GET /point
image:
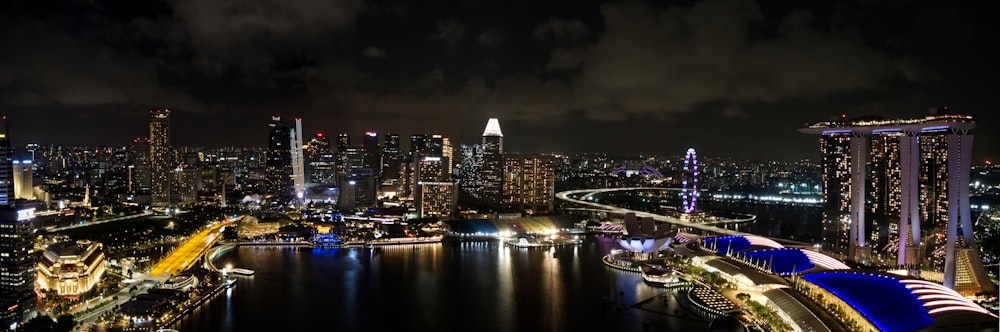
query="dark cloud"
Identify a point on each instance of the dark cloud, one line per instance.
(490, 37)
(374, 52)
(449, 32)
(569, 69)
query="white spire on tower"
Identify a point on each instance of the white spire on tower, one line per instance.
(493, 128)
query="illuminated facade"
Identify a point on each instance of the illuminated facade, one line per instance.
(322, 164)
(71, 268)
(23, 183)
(918, 174)
(470, 170)
(529, 182)
(493, 163)
(372, 154)
(139, 176)
(17, 267)
(160, 159)
(279, 159)
(435, 199)
(391, 158)
(298, 160)
(342, 143)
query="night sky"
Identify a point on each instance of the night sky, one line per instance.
(730, 78)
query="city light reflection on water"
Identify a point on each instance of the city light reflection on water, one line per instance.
(482, 286)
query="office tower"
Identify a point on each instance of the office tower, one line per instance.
(17, 268)
(322, 163)
(279, 159)
(298, 167)
(492, 162)
(448, 152)
(373, 155)
(160, 158)
(470, 170)
(418, 144)
(439, 146)
(23, 184)
(187, 182)
(343, 142)
(435, 145)
(139, 161)
(390, 159)
(433, 194)
(929, 159)
(529, 183)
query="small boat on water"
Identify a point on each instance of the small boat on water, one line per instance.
(242, 272)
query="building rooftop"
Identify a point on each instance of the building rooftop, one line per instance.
(884, 300)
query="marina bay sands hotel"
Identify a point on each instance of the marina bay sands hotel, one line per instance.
(894, 190)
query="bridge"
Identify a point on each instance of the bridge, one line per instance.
(587, 194)
(185, 256)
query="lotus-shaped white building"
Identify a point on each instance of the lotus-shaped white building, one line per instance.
(643, 235)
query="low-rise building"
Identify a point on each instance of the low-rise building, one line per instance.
(71, 268)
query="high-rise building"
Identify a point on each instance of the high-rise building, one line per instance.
(322, 164)
(433, 194)
(139, 176)
(418, 144)
(529, 183)
(343, 142)
(915, 173)
(493, 163)
(470, 170)
(161, 159)
(279, 159)
(23, 183)
(372, 153)
(298, 162)
(390, 159)
(17, 266)
(440, 146)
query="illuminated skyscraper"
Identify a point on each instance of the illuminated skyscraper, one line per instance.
(343, 142)
(433, 194)
(23, 183)
(470, 170)
(279, 159)
(298, 162)
(529, 183)
(372, 153)
(17, 266)
(160, 159)
(390, 159)
(418, 144)
(493, 163)
(322, 164)
(914, 169)
(139, 176)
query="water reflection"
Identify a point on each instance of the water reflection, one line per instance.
(481, 286)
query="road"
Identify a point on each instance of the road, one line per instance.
(190, 251)
(56, 229)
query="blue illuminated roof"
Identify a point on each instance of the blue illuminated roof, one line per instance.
(884, 300)
(723, 244)
(782, 260)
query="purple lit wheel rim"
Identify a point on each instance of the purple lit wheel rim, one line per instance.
(690, 176)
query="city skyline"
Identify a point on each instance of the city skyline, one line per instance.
(618, 77)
